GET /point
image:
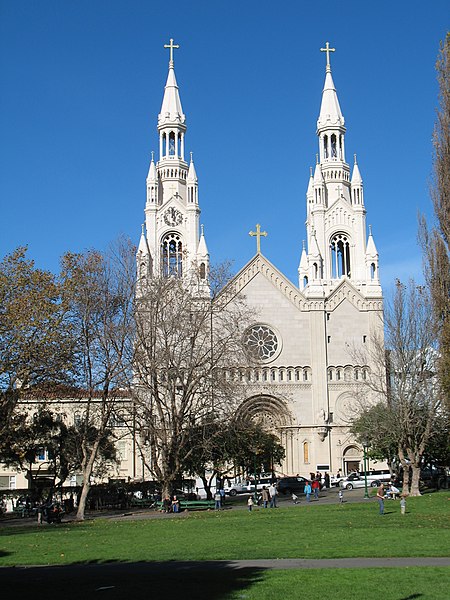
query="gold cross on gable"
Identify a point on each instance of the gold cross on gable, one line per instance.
(171, 46)
(258, 233)
(327, 49)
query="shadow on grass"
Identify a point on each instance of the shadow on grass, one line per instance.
(201, 580)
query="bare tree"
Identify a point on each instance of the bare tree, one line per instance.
(99, 289)
(404, 377)
(186, 346)
(436, 240)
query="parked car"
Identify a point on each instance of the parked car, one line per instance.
(356, 480)
(289, 485)
(247, 486)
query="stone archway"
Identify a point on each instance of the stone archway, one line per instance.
(352, 459)
(268, 411)
(274, 416)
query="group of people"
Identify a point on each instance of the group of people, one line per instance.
(170, 505)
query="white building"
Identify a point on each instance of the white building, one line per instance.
(307, 337)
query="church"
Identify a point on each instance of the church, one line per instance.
(305, 384)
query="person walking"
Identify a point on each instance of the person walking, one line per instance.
(250, 503)
(273, 496)
(380, 498)
(218, 500)
(315, 488)
(265, 497)
(308, 490)
(326, 480)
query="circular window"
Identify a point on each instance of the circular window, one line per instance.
(262, 342)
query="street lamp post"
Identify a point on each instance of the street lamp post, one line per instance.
(365, 444)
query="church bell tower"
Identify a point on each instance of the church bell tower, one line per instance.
(171, 244)
(337, 243)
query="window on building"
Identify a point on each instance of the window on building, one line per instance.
(172, 255)
(340, 255)
(306, 452)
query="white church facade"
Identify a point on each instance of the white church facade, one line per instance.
(305, 337)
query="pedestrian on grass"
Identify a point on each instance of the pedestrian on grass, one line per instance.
(250, 503)
(308, 491)
(273, 496)
(217, 500)
(265, 497)
(403, 505)
(380, 498)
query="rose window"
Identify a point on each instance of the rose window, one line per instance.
(262, 342)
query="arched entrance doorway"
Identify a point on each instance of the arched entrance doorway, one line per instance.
(274, 416)
(352, 459)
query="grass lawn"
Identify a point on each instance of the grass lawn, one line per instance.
(427, 583)
(314, 531)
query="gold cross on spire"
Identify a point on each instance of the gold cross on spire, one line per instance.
(171, 46)
(258, 233)
(327, 49)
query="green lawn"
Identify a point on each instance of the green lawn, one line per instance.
(315, 531)
(407, 583)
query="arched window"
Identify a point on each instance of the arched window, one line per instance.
(373, 270)
(172, 255)
(172, 146)
(305, 452)
(325, 146)
(305, 281)
(333, 146)
(202, 271)
(340, 255)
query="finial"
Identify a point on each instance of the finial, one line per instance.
(327, 49)
(354, 156)
(171, 46)
(153, 155)
(310, 171)
(202, 226)
(303, 245)
(191, 153)
(370, 229)
(317, 159)
(143, 228)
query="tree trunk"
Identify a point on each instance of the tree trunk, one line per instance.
(87, 472)
(415, 478)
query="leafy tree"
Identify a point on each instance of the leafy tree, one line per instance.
(183, 342)
(436, 241)
(99, 291)
(35, 340)
(220, 447)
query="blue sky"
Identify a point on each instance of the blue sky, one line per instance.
(81, 85)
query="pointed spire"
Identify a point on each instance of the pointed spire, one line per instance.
(318, 177)
(202, 249)
(143, 247)
(303, 259)
(356, 175)
(192, 175)
(171, 110)
(371, 249)
(152, 170)
(330, 111)
(309, 191)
